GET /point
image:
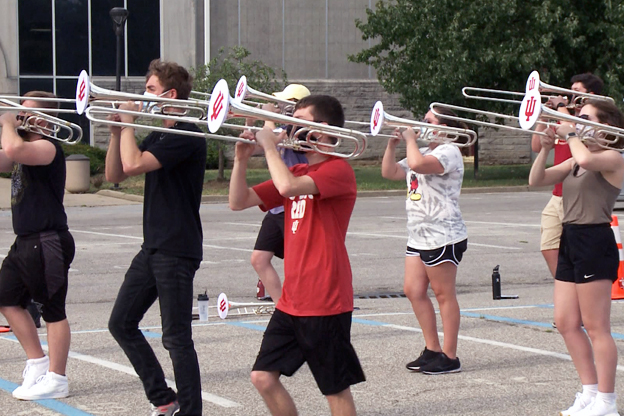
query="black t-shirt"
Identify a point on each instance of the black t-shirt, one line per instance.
(171, 222)
(37, 196)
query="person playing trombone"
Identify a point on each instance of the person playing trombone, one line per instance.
(552, 214)
(174, 166)
(38, 262)
(312, 319)
(437, 236)
(270, 240)
(588, 256)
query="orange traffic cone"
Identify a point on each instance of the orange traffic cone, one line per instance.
(617, 290)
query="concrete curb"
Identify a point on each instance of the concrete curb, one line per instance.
(218, 199)
(120, 195)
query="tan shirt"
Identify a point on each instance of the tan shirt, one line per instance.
(588, 198)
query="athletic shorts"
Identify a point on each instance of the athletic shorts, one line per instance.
(324, 342)
(36, 268)
(271, 235)
(551, 227)
(587, 253)
(451, 253)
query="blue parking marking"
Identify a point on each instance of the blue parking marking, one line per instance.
(51, 404)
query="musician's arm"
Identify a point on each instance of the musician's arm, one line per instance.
(113, 169)
(390, 169)
(32, 153)
(6, 164)
(285, 182)
(133, 160)
(416, 161)
(241, 196)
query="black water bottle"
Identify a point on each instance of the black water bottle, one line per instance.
(496, 284)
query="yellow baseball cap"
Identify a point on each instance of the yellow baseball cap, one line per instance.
(293, 92)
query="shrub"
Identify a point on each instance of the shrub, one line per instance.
(97, 156)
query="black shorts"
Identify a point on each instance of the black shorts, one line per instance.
(587, 253)
(36, 268)
(324, 342)
(451, 253)
(271, 235)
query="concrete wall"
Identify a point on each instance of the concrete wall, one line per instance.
(8, 48)
(307, 39)
(181, 32)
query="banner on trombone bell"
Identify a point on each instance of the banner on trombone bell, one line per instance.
(531, 106)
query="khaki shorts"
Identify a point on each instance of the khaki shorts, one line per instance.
(551, 227)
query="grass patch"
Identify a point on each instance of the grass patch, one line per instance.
(368, 178)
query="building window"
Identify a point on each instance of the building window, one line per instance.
(59, 38)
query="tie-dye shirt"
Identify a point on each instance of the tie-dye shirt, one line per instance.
(433, 216)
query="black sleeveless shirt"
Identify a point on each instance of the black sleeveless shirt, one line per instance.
(37, 196)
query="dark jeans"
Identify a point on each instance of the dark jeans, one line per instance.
(153, 275)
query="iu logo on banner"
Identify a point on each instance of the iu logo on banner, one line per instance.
(83, 91)
(241, 89)
(223, 306)
(377, 118)
(533, 82)
(218, 106)
(530, 109)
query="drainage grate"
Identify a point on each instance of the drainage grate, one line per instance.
(381, 296)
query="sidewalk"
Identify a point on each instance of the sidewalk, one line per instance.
(74, 200)
(106, 197)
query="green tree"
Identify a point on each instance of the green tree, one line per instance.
(427, 51)
(231, 65)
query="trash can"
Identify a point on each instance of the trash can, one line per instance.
(78, 178)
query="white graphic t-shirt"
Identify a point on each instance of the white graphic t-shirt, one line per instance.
(433, 216)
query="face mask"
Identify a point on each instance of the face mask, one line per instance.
(150, 106)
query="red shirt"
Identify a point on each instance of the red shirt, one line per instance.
(318, 280)
(562, 153)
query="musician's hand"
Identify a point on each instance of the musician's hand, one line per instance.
(564, 129)
(129, 106)
(270, 107)
(410, 134)
(243, 151)
(396, 138)
(553, 102)
(115, 130)
(9, 118)
(548, 141)
(266, 138)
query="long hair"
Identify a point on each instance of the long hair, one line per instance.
(607, 113)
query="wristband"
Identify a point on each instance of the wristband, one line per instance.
(560, 105)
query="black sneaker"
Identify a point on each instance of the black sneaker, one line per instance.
(442, 364)
(425, 357)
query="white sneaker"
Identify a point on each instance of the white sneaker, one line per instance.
(580, 403)
(599, 408)
(34, 369)
(48, 386)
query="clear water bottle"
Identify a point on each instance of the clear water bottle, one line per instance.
(202, 305)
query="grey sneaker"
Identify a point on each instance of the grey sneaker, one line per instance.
(166, 409)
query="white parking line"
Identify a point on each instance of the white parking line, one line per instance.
(207, 397)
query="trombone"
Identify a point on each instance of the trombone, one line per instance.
(435, 106)
(87, 93)
(494, 95)
(602, 135)
(225, 307)
(95, 114)
(223, 106)
(34, 120)
(244, 92)
(429, 133)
